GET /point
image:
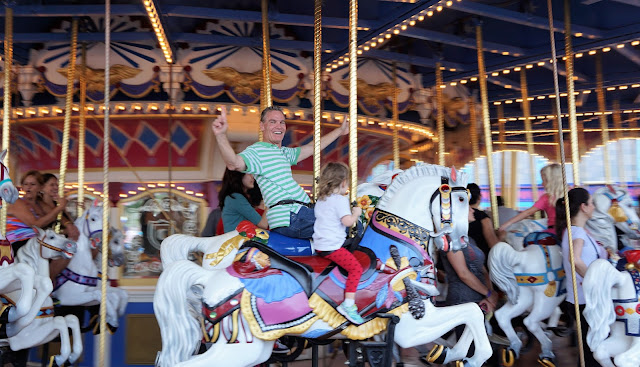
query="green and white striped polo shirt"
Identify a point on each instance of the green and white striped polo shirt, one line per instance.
(271, 167)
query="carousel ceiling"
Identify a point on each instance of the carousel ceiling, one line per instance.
(414, 35)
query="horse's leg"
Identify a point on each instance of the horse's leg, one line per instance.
(232, 355)
(43, 288)
(26, 275)
(60, 324)
(506, 313)
(555, 316)
(76, 349)
(543, 307)
(616, 346)
(439, 320)
(630, 357)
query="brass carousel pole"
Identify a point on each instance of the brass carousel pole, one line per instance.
(81, 129)
(396, 119)
(564, 172)
(526, 109)
(571, 98)
(503, 155)
(617, 124)
(604, 125)
(6, 112)
(105, 184)
(266, 62)
(71, 77)
(440, 115)
(556, 118)
(475, 146)
(482, 80)
(317, 92)
(353, 97)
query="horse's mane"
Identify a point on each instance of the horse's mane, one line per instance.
(417, 171)
(30, 253)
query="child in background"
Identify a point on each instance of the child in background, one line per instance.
(333, 215)
(553, 187)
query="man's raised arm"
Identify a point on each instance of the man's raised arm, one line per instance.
(307, 150)
(220, 126)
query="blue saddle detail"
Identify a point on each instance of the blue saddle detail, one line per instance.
(273, 288)
(289, 246)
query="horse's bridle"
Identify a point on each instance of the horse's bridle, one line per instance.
(90, 234)
(4, 179)
(50, 247)
(446, 210)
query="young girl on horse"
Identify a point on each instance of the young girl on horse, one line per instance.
(552, 183)
(333, 213)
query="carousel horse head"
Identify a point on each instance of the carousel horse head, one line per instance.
(116, 247)
(46, 245)
(433, 202)
(7, 190)
(613, 209)
(90, 224)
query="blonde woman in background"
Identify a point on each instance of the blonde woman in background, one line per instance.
(553, 187)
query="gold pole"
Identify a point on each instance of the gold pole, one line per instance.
(440, 116)
(564, 171)
(571, 99)
(106, 139)
(81, 129)
(266, 61)
(6, 112)
(473, 122)
(353, 96)
(317, 92)
(617, 124)
(515, 189)
(604, 125)
(504, 189)
(556, 119)
(526, 109)
(396, 141)
(71, 77)
(482, 79)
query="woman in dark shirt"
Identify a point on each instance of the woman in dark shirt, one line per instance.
(480, 226)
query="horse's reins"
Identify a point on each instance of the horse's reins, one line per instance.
(46, 245)
(90, 233)
(2, 175)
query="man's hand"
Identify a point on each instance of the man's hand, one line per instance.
(220, 125)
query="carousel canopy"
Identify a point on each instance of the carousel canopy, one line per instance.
(216, 47)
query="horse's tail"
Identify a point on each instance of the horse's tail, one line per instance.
(178, 246)
(502, 260)
(598, 283)
(179, 329)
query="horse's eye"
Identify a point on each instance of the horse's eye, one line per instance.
(461, 199)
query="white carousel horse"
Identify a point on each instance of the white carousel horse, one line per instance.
(614, 209)
(79, 284)
(519, 230)
(13, 276)
(116, 249)
(36, 254)
(534, 281)
(190, 299)
(612, 312)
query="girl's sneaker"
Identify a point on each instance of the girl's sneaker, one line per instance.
(351, 313)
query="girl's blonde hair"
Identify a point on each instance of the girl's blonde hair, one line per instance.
(332, 175)
(553, 177)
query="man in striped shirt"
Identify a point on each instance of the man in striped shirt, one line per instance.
(288, 210)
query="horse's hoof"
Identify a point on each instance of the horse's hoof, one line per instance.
(112, 329)
(463, 363)
(561, 331)
(4, 316)
(508, 357)
(547, 362)
(437, 354)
